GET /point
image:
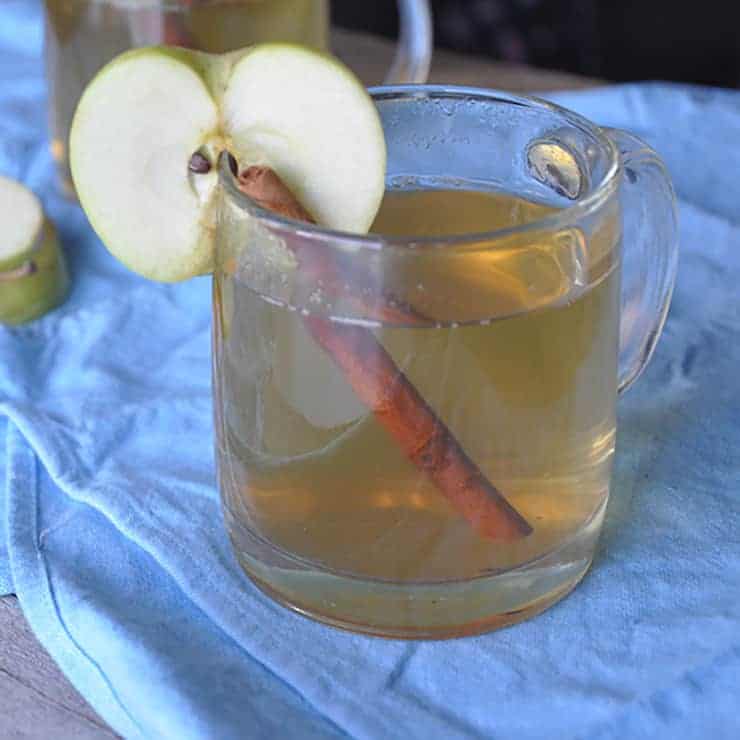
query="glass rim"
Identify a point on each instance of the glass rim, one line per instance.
(560, 219)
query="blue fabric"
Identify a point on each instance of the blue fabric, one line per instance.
(6, 583)
(112, 539)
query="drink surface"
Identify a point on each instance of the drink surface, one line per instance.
(518, 359)
(83, 35)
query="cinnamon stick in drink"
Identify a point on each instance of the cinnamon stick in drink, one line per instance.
(263, 185)
(385, 389)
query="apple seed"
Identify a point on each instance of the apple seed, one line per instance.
(233, 166)
(199, 164)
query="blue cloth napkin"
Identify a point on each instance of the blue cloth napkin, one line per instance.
(110, 532)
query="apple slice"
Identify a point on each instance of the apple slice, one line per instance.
(148, 112)
(22, 219)
(33, 275)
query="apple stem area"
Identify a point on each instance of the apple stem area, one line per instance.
(200, 164)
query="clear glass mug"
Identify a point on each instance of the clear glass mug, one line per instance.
(415, 435)
(83, 35)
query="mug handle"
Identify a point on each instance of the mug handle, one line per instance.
(649, 252)
(414, 50)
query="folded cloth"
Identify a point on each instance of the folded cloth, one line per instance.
(6, 584)
(113, 539)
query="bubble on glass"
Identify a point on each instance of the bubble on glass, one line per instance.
(445, 106)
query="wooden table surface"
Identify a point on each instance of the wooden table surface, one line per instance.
(36, 700)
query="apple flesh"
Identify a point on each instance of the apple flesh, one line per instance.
(149, 129)
(33, 274)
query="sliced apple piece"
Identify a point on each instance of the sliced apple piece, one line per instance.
(310, 120)
(149, 128)
(33, 275)
(22, 219)
(136, 127)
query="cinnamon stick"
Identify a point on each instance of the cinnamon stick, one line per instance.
(385, 389)
(264, 186)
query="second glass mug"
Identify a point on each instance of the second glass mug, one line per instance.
(415, 434)
(83, 35)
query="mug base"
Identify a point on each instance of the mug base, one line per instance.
(415, 610)
(437, 631)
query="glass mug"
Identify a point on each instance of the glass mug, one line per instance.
(415, 428)
(83, 35)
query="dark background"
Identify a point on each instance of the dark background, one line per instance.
(683, 40)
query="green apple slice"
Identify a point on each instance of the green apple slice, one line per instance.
(22, 221)
(145, 115)
(33, 275)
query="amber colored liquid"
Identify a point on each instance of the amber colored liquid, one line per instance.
(83, 35)
(518, 364)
